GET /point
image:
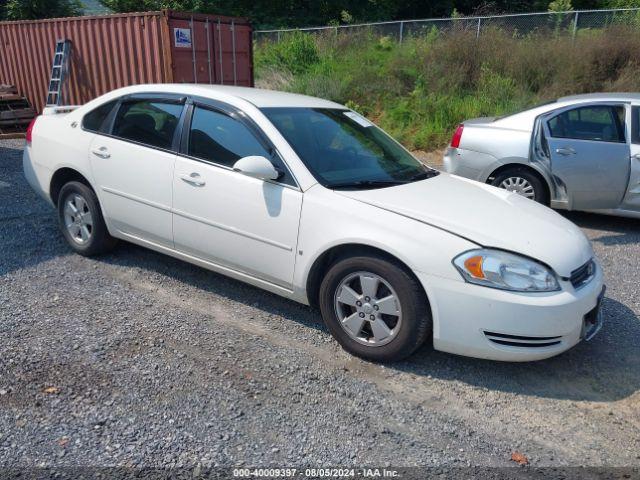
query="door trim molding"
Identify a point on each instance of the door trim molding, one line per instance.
(135, 198)
(195, 218)
(232, 230)
(229, 272)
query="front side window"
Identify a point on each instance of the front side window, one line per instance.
(94, 121)
(344, 150)
(148, 122)
(635, 125)
(602, 123)
(219, 138)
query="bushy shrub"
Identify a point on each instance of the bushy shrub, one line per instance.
(295, 52)
(421, 89)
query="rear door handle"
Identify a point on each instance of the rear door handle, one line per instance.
(101, 152)
(636, 156)
(566, 151)
(193, 179)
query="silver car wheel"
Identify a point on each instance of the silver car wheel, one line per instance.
(368, 309)
(519, 185)
(77, 219)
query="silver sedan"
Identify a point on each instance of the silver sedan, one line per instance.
(577, 153)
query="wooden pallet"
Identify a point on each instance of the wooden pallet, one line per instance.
(8, 90)
(15, 111)
(17, 114)
(10, 97)
(11, 136)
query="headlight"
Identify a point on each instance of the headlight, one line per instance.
(506, 271)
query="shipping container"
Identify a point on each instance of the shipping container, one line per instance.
(112, 51)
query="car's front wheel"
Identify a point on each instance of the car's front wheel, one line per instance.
(81, 220)
(522, 182)
(374, 308)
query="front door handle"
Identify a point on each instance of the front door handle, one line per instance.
(193, 179)
(101, 152)
(636, 156)
(566, 151)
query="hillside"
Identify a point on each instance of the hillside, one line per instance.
(421, 89)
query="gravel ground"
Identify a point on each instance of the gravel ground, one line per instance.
(136, 359)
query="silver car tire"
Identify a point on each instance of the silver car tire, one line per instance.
(522, 182)
(81, 220)
(375, 308)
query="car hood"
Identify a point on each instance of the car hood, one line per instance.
(488, 216)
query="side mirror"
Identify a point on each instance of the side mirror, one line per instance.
(257, 167)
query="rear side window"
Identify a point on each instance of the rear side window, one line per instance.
(94, 121)
(635, 125)
(148, 122)
(601, 123)
(219, 138)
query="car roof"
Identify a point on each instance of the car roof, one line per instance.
(260, 98)
(606, 96)
(524, 120)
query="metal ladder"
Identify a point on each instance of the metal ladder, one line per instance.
(58, 72)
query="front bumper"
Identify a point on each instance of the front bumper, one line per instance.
(483, 322)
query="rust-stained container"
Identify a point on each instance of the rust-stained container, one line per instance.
(113, 51)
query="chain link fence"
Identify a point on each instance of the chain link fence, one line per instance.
(569, 23)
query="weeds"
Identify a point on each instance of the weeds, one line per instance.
(421, 89)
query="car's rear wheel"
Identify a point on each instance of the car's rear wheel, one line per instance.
(374, 308)
(81, 220)
(522, 182)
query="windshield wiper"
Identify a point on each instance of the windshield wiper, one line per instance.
(424, 175)
(365, 184)
(384, 183)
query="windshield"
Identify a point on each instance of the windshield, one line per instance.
(344, 150)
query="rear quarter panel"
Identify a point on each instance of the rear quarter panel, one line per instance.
(486, 147)
(505, 145)
(57, 143)
(469, 163)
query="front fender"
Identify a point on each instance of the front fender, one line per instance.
(329, 220)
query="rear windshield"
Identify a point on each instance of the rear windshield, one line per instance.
(543, 104)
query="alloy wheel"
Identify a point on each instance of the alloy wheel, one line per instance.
(78, 219)
(368, 308)
(519, 185)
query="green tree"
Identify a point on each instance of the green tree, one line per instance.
(560, 6)
(147, 5)
(34, 9)
(623, 3)
(295, 13)
(302, 13)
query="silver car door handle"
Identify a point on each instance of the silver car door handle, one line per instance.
(193, 179)
(566, 151)
(636, 156)
(101, 152)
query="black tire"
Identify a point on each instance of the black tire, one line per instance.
(540, 193)
(416, 324)
(99, 240)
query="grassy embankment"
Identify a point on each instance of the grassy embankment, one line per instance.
(421, 89)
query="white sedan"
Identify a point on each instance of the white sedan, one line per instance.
(305, 198)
